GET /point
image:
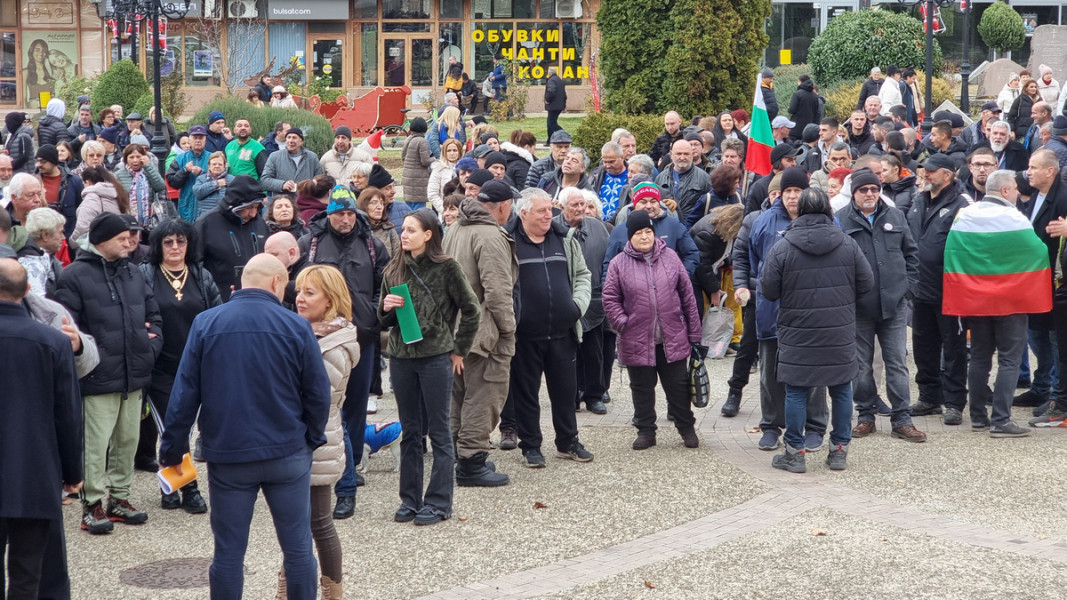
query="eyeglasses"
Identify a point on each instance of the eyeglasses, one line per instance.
(869, 189)
(983, 166)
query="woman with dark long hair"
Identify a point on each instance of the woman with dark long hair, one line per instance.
(726, 127)
(421, 371)
(183, 288)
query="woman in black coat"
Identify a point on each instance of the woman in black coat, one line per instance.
(803, 106)
(183, 289)
(1019, 113)
(726, 127)
(816, 273)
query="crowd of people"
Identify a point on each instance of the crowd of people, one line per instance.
(168, 286)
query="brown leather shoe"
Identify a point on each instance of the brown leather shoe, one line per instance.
(908, 433)
(863, 429)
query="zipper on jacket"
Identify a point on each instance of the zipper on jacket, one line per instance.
(548, 277)
(233, 240)
(655, 303)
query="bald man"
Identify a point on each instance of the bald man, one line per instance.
(282, 245)
(261, 415)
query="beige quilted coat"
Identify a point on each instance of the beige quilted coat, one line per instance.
(340, 352)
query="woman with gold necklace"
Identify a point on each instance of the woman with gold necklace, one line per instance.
(183, 289)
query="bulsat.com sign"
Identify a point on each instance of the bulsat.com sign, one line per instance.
(318, 10)
(533, 45)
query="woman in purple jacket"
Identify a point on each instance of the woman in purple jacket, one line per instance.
(649, 300)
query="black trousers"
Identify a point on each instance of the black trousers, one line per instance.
(25, 539)
(55, 578)
(610, 338)
(674, 377)
(749, 352)
(940, 348)
(159, 393)
(555, 359)
(553, 122)
(590, 366)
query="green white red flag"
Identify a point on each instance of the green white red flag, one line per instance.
(995, 264)
(760, 140)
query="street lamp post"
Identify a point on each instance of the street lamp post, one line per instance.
(965, 64)
(148, 10)
(930, 6)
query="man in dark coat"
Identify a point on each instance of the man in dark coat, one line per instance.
(871, 87)
(341, 236)
(684, 181)
(555, 100)
(661, 147)
(233, 233)
(942, 384)
(1010, 155)
(803, 107)
(40, 436)
(767, 87)
(816, 274)
(111, 301)
(882, 234)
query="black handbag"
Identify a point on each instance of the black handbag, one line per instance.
(699, 384)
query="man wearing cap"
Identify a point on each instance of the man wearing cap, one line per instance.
(558, 147)
(111, 301)
(803, 106)
(286, 168)
(381, 178)
(475, 181)
(890, 93)
(768, 229)
(62, 189)
(783, 156)
(133, 123)
(341, 235)
(882, 234)
(478, 242)
(340, 161)
(109, 137)
(218, 134)
(244, 155)
(781, 128)
(497, 164)
(942, 381)
(570, 174)
(83, 129)
(973, 134)
(809, 155)
(232, 233)
(770, 100)
(184, 170)
(672, 132)
(683, 182)
(871, 87)
(554, 288)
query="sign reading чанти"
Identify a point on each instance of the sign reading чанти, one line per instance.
(535, 38)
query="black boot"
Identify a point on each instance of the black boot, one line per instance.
(473, 472)
(192, 502)
(732, 404)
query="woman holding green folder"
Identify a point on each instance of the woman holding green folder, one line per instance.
(422, 294)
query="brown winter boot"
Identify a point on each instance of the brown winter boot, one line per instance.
(283, 593)
(331, 590)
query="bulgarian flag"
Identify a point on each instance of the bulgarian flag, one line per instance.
(995, 264)
(760, 140)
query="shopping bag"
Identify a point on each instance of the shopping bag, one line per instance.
(699, 385)
(717, 329)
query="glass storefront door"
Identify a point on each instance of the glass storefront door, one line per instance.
(409, 60)
(327, 59)
(8, 70)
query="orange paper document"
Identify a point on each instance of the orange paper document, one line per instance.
(169, 479)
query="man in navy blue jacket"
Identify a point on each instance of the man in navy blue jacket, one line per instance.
(254, 371)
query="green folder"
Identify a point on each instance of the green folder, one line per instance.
(410, 331)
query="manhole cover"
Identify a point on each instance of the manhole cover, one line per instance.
(177, 573)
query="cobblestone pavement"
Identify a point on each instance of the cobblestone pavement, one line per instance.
(961, 516)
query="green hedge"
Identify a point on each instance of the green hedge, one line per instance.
(1002, 27)
(318, 135)
(145, 103)
(785, 83)
(595, 131)
(856, 41)
(121, 84)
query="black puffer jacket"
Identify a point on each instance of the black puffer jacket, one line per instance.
(110, 301)
(51, 130)
(817, 273)
(714, 255)
(361, 259)
(892, 254)
(227, 244)
(902, 192)
(930, 221)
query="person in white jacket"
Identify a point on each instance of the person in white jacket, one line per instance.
(1009, 92)
(1048, 87)
(442, 171)
(890, 93)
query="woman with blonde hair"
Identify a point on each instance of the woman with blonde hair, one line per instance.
(322, 297)
(442, 171)
(448, 126)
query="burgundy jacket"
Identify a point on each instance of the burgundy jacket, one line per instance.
(640, 293)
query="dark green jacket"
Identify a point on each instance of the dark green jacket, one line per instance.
(442, 294)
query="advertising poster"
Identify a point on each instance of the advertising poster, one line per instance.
(202, 63)
(49, 59)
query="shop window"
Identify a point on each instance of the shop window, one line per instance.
(575, 52)
(791, 27)
(503, 9)
(536, 49)
(484, 49)
(368, 49)
(366, 9)
(451, 9)
(287, 43)
(450, 44)
(201, 59)
(405, 9)
(8, 73)
(245, 49)
(172, 50)
(407, 27)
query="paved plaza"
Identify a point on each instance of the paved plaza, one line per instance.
(961, 516)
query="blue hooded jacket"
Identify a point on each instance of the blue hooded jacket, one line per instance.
(766, 231)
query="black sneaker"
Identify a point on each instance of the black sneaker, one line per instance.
(606, 399)
(533, 459)
(836, 458)
(170, 501)
(792, 460)
(431, 516)
(922, 408)
(576, 452)
(1008, 430)
(1022, 384)
(94, 519)
(953, 416)
(123, 512)
(769, 440)
(404, 514)
(1029, 398)
(732, 404)
(193, 503)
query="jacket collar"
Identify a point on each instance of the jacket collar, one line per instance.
(993, 198)
(11, 309)
(253, 294)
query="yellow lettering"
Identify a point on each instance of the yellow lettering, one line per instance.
(507, 35)
(538, 53)
(583, 72)
(538, 35)
(524, 72)
(568, 54)
(522, 35)
(523, 55)
(553, 53)
(494, 36)
(538, 72)
(552, 36)
(568, 73)
(507, 53)
(477, 36)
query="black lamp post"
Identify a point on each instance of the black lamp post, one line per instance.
(149, 11)
(928, 123)
(965, 64)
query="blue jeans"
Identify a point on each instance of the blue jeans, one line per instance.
(423, 389)
(354, 417)
(1044, 377)
(796, 414)
(286, 485)
(892, 336)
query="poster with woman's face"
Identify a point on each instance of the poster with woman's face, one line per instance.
(48, 62)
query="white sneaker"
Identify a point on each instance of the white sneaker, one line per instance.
(372, 404)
